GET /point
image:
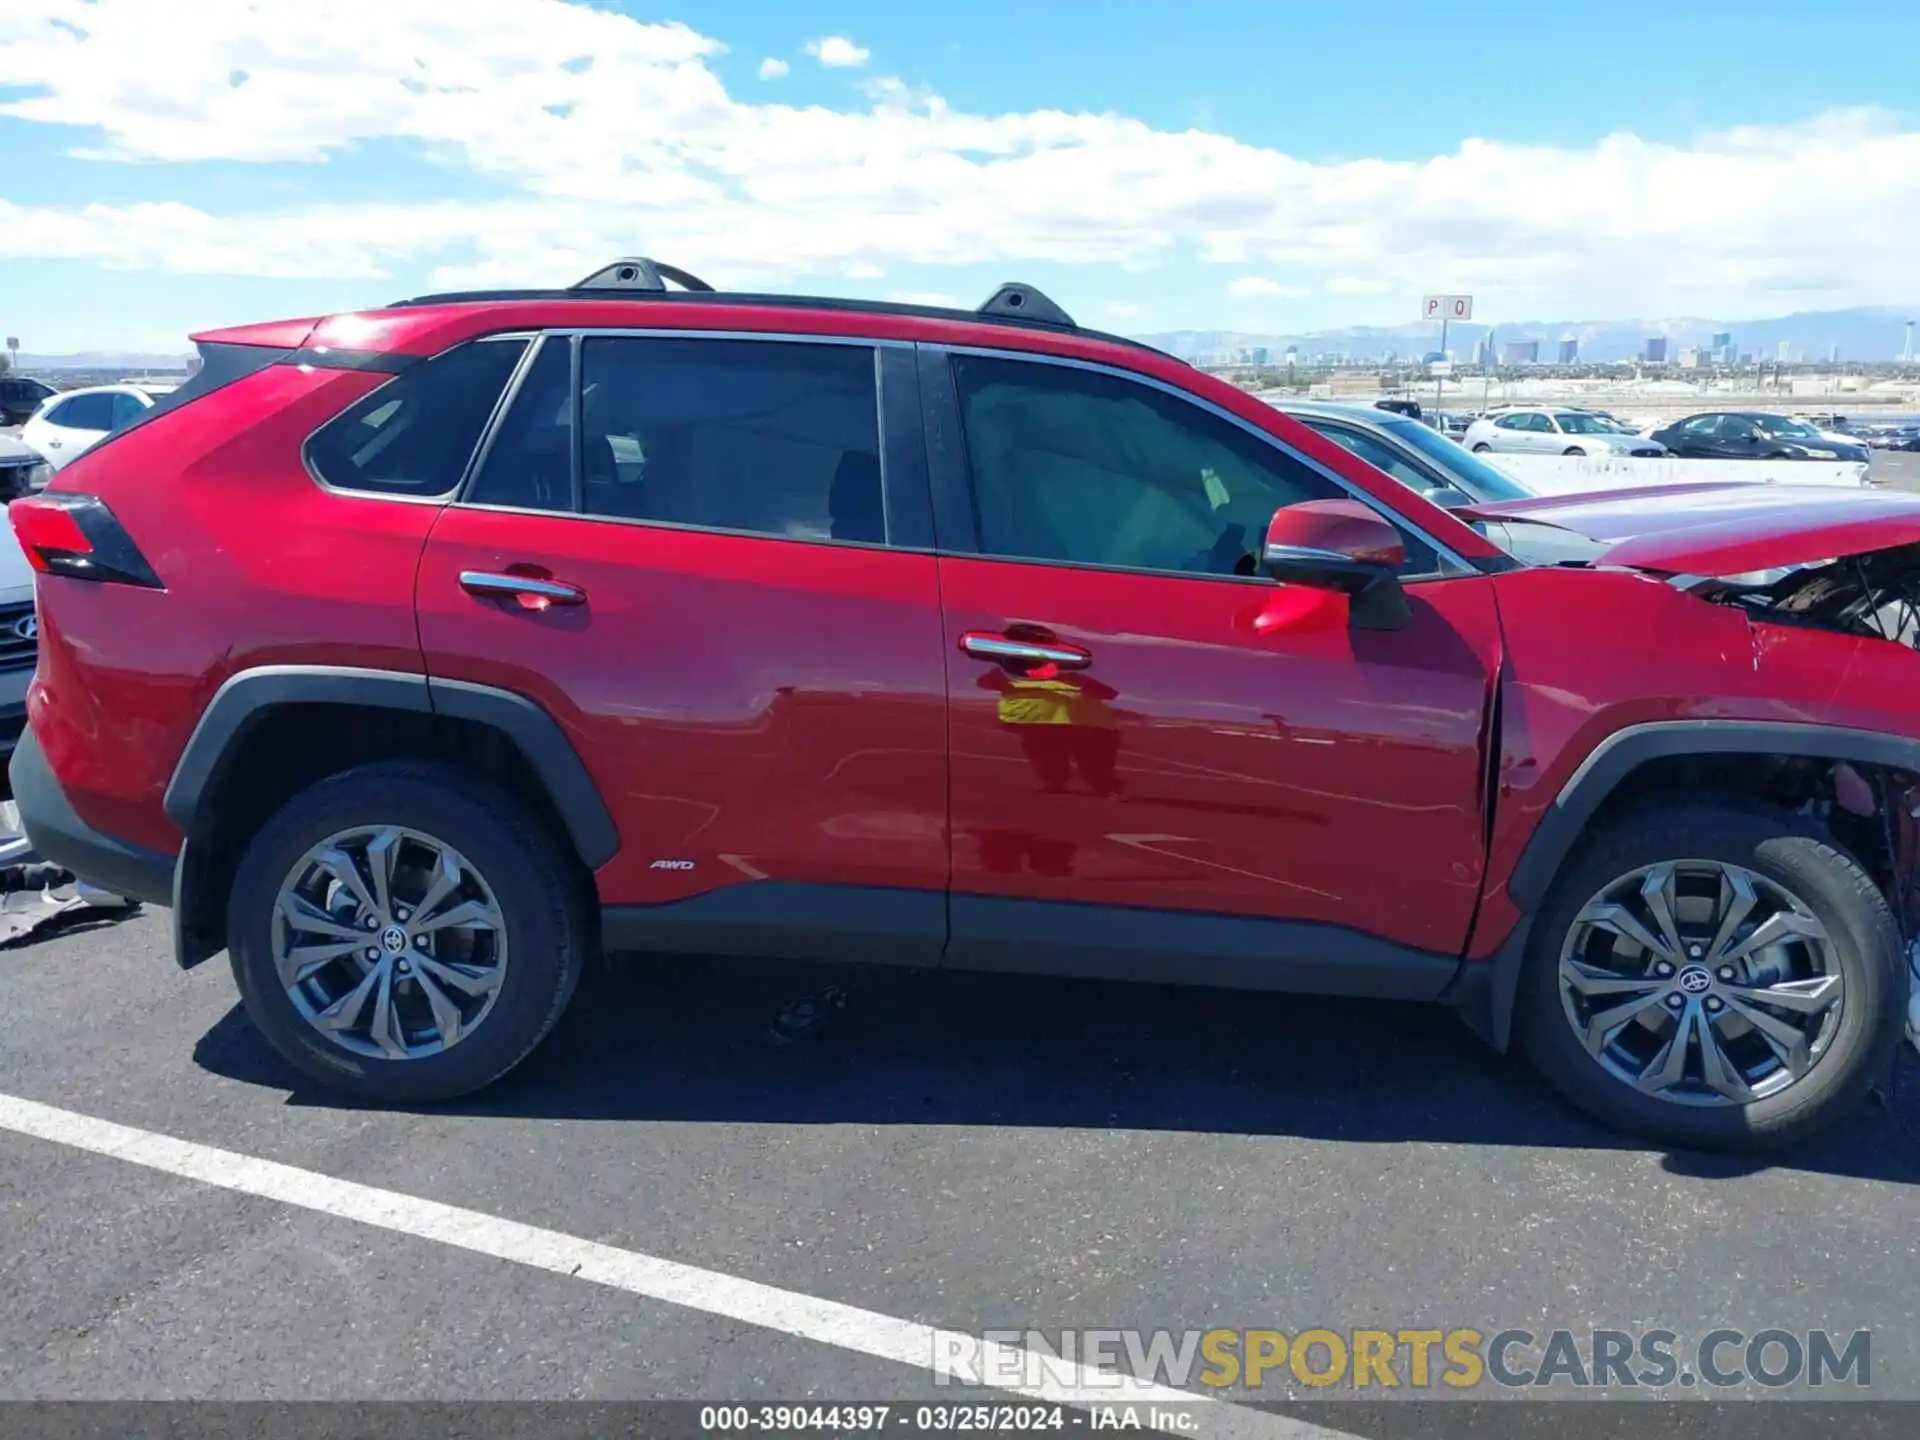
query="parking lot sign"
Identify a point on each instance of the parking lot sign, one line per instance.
(1446, 308)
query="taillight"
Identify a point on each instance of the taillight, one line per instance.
(79, 537)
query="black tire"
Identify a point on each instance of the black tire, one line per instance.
(540, 895)
(1482, 448)
(1794, 853)
(1574, 450)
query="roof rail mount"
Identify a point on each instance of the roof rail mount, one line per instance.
(636, 272)
(1024, 302)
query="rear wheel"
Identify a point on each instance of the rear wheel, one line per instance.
(1573, 450)
(1713, 975)
(1482, 448)
(405, 932)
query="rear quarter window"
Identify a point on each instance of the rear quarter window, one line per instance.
(416, 434)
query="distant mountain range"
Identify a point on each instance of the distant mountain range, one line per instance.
(1865, 333)
(130, 361)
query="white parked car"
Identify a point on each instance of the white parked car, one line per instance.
(1557, 432)
(66, 424)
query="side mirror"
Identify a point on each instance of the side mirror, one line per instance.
(1344, 546)
(1448, 498)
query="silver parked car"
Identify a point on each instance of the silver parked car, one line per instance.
(1557, 432)
(1408, 450)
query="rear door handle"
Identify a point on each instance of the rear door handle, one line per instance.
(985, 645)
(531, 591)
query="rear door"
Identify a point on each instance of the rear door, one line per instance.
(1511, 432)
(1696, 438)
(1163, 765)
(698, 555)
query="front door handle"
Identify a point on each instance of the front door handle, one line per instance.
(532, 592)
(1003, 649)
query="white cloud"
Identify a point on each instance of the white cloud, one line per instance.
(772, 69)
(1258, 287)
(594, 135)
(838, 52)
(1120, 309)
(861, 270)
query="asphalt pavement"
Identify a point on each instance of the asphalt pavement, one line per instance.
(972, 1153)
(966, 1153)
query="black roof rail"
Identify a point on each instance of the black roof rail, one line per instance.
(636, 272)
(1014, 301)
(638, 278)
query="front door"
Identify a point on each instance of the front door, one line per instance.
(703, 592)
(1164, 766)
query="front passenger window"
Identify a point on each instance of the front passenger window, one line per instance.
(1083, 467)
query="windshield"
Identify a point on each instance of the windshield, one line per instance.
(1773, 425)
(1474, 475)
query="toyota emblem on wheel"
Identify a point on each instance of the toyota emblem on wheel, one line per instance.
(1695, 980)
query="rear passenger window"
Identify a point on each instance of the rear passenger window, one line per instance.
(415, 434)
(772, 437)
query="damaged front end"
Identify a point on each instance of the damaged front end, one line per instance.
(1875, 812)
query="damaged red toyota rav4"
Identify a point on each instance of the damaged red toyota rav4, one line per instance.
(415, 657)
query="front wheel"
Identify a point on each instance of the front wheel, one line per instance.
(406, 932)
(1714, 975)
(1573, 450)
(1482, 448)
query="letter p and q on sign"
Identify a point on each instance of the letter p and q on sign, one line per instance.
(1447, 307)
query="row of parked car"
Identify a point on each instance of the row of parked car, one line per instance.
(1710, 435)
(59, 425)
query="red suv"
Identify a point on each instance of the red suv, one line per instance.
(416, 656)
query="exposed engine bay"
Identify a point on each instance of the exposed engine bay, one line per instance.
(1875, 814)
(1877, 594)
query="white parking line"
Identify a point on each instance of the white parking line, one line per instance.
(866, 1332)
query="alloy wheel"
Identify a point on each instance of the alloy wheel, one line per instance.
(389, 942)
(1701, 983)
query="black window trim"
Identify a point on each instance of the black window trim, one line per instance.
(902, 457)
(490, 431)
(444, 497)
(953, 485)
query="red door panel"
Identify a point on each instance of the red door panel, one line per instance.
(760, 708)
(1227, 747)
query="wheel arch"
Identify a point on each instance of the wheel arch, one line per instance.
(299, 723)
(1610, 775)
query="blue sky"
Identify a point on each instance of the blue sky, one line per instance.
(1215, 164)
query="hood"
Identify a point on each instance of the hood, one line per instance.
(13, 451)
(1716, 530)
